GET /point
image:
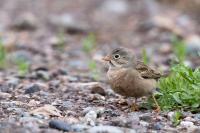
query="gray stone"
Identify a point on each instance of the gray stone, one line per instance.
(129, 122)
(42, 75)
(157, 126)
(98, 110)
(146, 117)
(67, 104)
(72, 78)
(12, 82)
(60, 125)
(32, 88)
(25, 114)
(5, 88)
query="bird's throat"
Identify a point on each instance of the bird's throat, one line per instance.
(111, 64)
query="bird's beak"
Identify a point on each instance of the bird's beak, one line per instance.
(107, 58)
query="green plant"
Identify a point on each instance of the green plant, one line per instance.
(22, 66)
(176, 118)
(181, 89)
(93, 68)
(179, 48)
(61, 41)
(2, 55)
(144, 56)
(89, 42)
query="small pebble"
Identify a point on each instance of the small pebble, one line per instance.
(189, 119)
(146, 117)
(99, 90)
(42, 75)
(90, 118)
(32, 88)
(170, 116)
(157, 126)
(13, 82)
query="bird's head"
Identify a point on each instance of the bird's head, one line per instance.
(120, 57)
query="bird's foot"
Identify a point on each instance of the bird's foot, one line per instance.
(157, 110)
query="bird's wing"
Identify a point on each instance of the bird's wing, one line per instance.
(146, 71)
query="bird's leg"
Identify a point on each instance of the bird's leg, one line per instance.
(134, 106)
(157, 106)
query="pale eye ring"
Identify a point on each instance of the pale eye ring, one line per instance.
(117, 56)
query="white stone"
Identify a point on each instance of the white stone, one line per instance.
(187, 124)
(115, 6)
(170, 116)
(144, 124)
(90, 118)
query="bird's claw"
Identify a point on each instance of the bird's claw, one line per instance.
(157, 110)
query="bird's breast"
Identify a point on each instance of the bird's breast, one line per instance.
(129, 83)
(115, 75)
(116, 80)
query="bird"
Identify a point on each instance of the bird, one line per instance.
(130, 77)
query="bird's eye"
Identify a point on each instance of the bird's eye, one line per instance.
(117, 56)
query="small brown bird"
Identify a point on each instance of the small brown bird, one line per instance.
(129, 77)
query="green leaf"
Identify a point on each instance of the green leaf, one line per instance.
(177, 98)
(3, 55)
(179, 48)
(181, 89)
(176, 118)
(144, 56)
(195, 105)
(89, 42)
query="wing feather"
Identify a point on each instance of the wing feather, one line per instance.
(146, 71)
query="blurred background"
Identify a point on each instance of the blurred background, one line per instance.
(67, 36)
